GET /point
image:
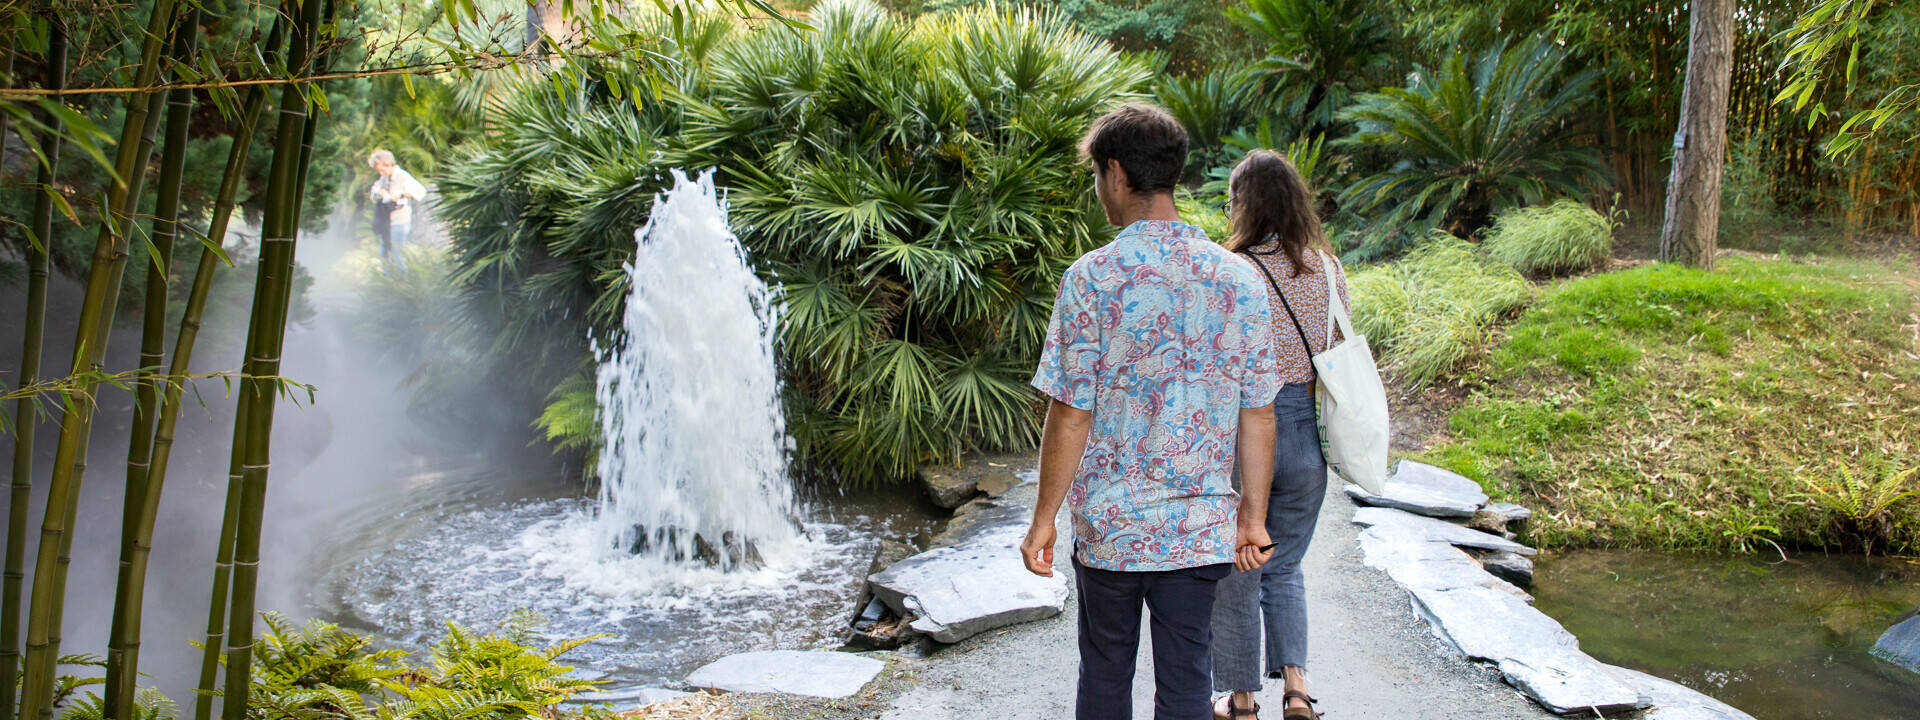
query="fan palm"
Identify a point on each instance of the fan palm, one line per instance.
(1472, 138)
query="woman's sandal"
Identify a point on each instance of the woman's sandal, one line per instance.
(1294, 713)
(1234, 712)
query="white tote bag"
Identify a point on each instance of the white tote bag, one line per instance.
(1353, 401)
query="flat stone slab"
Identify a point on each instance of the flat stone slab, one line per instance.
(625, 696)
(1437, 530)
(813, 673)
(1511, 567)
(948, 487)
(1425, 490)
(1535, 654)
(998, 482)
(1900, 644)
(1673, 701)
(1416, 562)
(974, 585)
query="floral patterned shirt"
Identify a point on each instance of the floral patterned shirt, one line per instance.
(1308, 294)
(1165, 336)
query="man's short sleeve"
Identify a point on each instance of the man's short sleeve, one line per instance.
(1070, 361)
(1260, 371)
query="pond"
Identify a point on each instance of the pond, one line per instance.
(1779, 640)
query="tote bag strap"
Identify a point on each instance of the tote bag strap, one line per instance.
(1304, 345)
(1336, 310)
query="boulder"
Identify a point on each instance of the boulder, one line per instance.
(1416, 562)
(948, 487)
(1511, 567)
(1534, 654)
(627, 696)
(997, 483)
(1673, 701)
(976, 516)
(974, 584)
(1425, 490)
(1900, 644)
(812, 673)
(1437, 530)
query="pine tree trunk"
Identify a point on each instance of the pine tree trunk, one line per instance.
(26, 422)
(1691, 231)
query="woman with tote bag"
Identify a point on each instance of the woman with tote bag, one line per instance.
(1275, 226)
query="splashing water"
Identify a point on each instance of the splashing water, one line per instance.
(693, 460)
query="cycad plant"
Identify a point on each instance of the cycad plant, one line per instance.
(1471, 138)
(1211, 106)
(1319, 51)
(915, 188)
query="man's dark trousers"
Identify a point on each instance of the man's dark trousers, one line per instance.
(1181, 605)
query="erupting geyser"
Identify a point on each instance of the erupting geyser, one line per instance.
(693, 459)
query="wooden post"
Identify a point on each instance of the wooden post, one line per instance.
(1692, 225)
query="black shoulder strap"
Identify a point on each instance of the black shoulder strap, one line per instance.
(1304, 345)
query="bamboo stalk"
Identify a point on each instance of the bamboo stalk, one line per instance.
(271, 296)
(255, 103)
(95, 325)
(136, 522)
(26, 421)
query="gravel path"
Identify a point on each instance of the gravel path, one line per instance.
(1371, 656)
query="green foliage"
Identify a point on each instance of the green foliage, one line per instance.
(1192, 34)
(1862, 504)
(1558, 239)
(321, 672)
(571, 418)
(1816, 45)
(1204, 212)
(1319, 52)
(1428, 314)
(1211, 106)
(913, 185)
(1667, 407)
(1469, 140)
(148, 704)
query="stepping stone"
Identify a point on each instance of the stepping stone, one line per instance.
(1673, 701)
(1416, 562)
(1508, 512)
(813, 673)
(1511, 567)
(1900, 644)
(997, 483)
(1535, 654)
(1437, 530)
(973, 585)
(627, 696)
(1425, 490)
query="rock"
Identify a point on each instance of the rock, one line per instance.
(1534, 653)
(627, 696)
(1439, 530)
(1511, 567)
(1508, 512)
(1425, 490)
(1673, 701)
(948, 487)
(974, 584)
(998, 483)
(1900, 644)
(1416, 562)
(971, 518)
(794, 672)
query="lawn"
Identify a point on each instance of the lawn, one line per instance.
(1665, 407)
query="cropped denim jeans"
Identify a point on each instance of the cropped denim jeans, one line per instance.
(1275, 595)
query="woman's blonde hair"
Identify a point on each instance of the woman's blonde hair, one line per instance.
(380, 156)
(1270, 200)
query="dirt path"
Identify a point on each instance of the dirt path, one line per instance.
(1371, 656)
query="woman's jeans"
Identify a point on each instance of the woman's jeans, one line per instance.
(1276, 592)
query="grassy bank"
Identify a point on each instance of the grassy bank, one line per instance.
(1664, 407)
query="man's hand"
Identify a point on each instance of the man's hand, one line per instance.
(1037, 550)
(1247, 555)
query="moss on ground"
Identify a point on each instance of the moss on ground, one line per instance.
(1665, 407)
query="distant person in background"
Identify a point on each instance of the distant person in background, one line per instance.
(394, 194)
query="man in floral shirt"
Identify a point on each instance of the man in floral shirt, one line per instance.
(1160, 365)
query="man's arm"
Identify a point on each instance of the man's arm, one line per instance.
(1256, 480)
(1062, 443)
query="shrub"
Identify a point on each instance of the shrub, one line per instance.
(1430, 312)
(1863, 506)
(1470, 139)
(1559, 239)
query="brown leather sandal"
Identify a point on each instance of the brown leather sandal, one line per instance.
(1234, 712)
(1294, 713)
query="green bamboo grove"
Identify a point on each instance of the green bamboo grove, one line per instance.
(295, 48)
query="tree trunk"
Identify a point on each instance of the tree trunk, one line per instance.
(1692, 225)
(547, 26)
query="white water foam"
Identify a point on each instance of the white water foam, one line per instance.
(693, 441)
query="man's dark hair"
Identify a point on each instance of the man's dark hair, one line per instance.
(1149, 144)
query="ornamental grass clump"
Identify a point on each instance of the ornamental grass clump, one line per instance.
(1563, 238)
(1427, 314)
